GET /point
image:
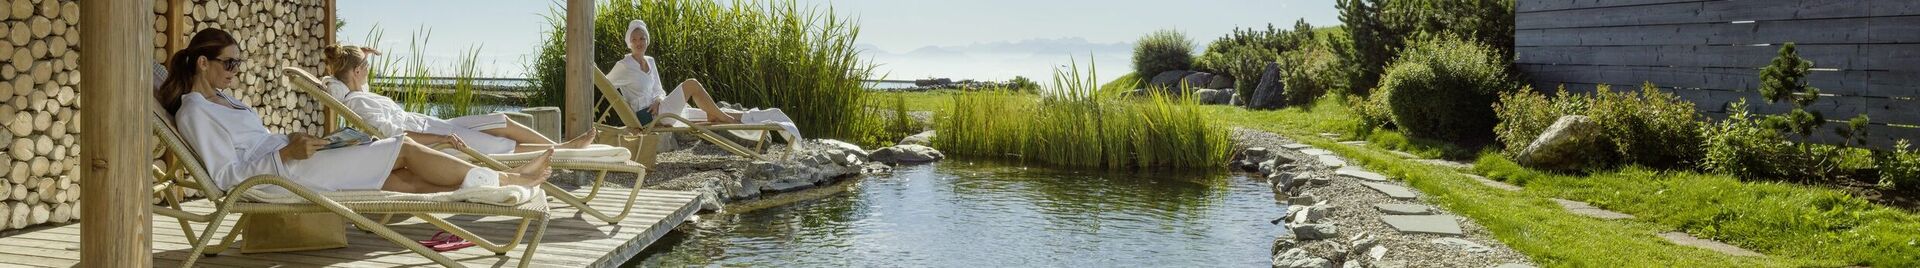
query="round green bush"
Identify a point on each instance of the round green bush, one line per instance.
(1310, 73)
(1444, 89)
(1161, 51)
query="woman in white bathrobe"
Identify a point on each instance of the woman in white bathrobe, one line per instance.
(347, 73)
(637, 76)
(233, 143)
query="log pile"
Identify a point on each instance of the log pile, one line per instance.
(39, 78)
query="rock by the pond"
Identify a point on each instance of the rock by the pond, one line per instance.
(1267, 94)
(1303, 199)
(906, 154)
(1392, 191)
(1274, 165)
(923, 139)
(1461, 244)
(1429, 224)
(1359, 246)
(1361, 174)
(841, 145)
(1299, 258)
(1569, 144)
(1331, 161)
(1214, 96)
(1314, 231)
(1169, 81)
(1312, 213)
(1403, 209)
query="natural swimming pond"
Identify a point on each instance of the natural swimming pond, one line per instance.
(957, 214)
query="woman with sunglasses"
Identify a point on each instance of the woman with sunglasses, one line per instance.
(234, 144)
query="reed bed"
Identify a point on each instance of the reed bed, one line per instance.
(775, 54)
(1077, 124)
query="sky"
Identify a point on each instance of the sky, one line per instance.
(905, 39)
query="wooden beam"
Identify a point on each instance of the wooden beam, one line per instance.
(117, 231)
(578, 111)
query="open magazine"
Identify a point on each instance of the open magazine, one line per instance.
(346, 137)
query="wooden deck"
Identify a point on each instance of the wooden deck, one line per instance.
(572, 239)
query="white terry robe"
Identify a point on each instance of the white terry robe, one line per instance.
(234, 145)
(640, 87)
(390, 118)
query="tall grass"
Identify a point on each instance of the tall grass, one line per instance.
(774, 54)
(1077, 124)
(414, 91)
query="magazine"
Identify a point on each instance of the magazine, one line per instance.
(346, 137)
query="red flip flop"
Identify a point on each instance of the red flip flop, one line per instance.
(440, 238)
(452, 246)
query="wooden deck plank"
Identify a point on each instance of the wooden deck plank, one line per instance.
(572, 239)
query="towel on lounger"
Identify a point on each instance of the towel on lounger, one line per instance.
(491, 195)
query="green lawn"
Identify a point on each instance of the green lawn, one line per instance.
(1794, 225)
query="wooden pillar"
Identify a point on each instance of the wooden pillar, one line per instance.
(578, 110)
(117, 140)
(331, 119)
(176, 26)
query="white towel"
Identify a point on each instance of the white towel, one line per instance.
(769, 116)
(491, 195)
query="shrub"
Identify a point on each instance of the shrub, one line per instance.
(764, 54)
(1444, 89)
(1309, 73)
(1161, 51)
(1900, 167)
(1380, 29)
(1022, 84)
(1648, 127)
(1244, 53)
(1741, 147)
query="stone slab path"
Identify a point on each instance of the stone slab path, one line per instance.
(1688, 240)
(1361, 174)
(1430, 224)
(1495, 184)
(1394, 191)
(1585, 209)
(1331, 161)
(1404, 209)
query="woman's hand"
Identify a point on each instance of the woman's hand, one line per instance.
(301, 146)
(430, 139)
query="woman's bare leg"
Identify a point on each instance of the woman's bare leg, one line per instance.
(405, 181)
(436, 168)
(698, 95)
(519, 133)
(581, 141)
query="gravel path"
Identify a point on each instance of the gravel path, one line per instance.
(1354, 214)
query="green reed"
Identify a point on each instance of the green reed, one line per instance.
(774, 54)
(1076, 124)
(414, 89)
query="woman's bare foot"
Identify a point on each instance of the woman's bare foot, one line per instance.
(583, 140)
(533, 173)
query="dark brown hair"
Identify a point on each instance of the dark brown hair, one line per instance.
(343, 59)
(207, 43)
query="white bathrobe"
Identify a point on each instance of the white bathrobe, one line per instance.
(390, 118)
(234, 145)
(640, 87)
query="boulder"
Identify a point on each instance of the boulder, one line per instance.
(906, 154)
(1214, 96)
(1267, 94)
(1168, 81)
(1197, 80)
(1570, 144)
(1314, 231)
(1220, 81)
(844, 146)
(1299, 258)
(922, 139)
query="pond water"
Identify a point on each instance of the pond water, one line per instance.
(957, 214)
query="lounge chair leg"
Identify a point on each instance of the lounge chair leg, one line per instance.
(200, 247)
(540, 230)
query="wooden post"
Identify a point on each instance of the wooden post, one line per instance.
(331, 121)
(117, 140)
(579, 105)
(176, 27)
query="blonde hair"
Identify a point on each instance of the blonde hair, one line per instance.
(341, 60)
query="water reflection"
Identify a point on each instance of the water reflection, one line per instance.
(985, 215)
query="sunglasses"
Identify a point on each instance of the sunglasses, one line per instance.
(232, 64)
